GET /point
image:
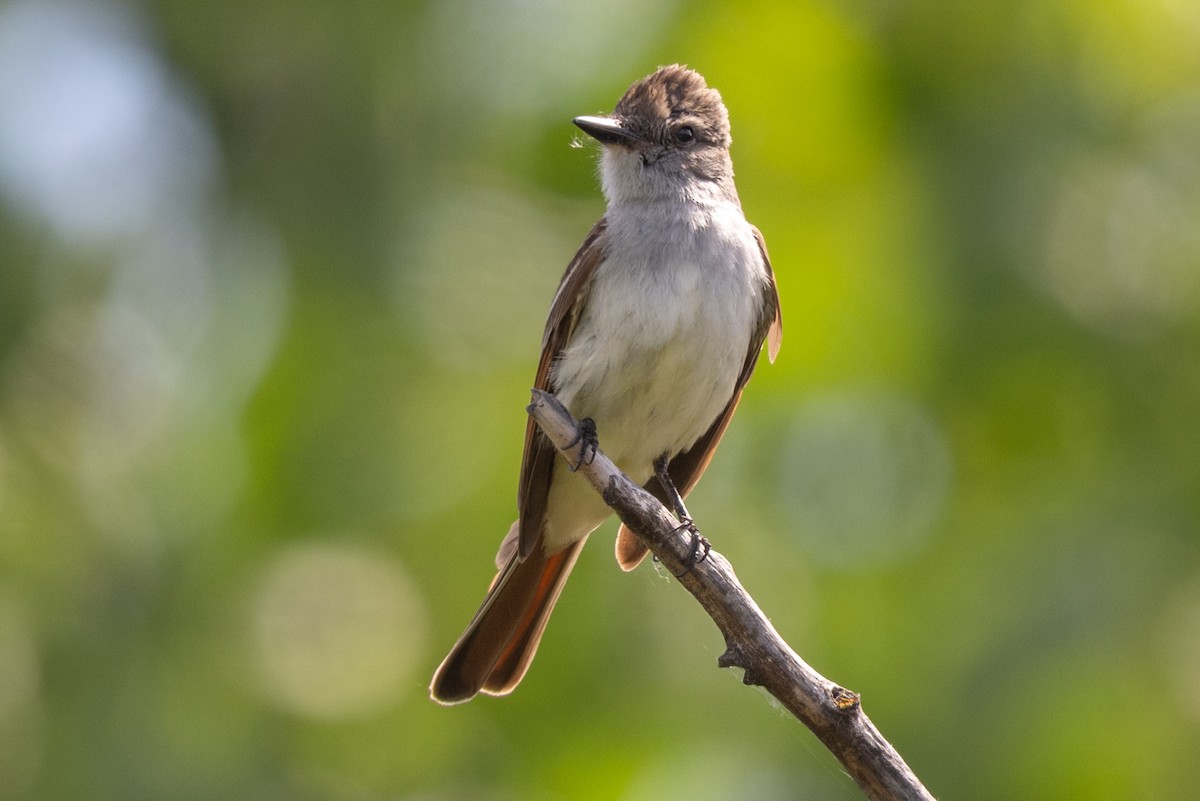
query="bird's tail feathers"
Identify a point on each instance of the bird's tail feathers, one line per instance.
(494, 652)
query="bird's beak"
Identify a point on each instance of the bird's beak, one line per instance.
(607, 130)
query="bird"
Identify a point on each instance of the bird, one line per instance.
(655, 328)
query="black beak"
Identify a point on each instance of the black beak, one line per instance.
(607, 130)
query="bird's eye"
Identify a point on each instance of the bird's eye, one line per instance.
(684, 134)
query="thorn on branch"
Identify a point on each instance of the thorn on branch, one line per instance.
(733, 657)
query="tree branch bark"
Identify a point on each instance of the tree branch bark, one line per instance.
(833, 713)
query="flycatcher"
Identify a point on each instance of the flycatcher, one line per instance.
(652, 335)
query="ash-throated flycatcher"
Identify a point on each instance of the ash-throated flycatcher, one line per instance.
(654, 331)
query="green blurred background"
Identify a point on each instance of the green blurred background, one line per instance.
(272, 281)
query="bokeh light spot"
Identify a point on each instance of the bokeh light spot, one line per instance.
(95, 138)
(1123, 248)
(863, 478)
(336, 631)
(478, 301)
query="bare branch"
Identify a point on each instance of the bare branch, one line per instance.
(833, 713)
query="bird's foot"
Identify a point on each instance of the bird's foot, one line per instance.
(700, 546)
(588, 442)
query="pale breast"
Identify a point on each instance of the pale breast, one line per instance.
(664, 333)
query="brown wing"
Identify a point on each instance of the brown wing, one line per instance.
(537, 465)
(686, 468)
(770, 311)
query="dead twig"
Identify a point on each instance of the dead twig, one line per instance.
(833, 713)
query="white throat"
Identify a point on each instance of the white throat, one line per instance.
(625, 179)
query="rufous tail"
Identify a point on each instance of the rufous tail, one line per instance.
(494, 652)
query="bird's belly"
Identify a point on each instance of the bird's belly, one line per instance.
(657, 351)
(646, 400)
(655, 368)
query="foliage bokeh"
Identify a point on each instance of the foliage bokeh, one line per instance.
(272, 279)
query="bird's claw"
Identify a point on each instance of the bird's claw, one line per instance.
(700, 546)
(588, 442)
